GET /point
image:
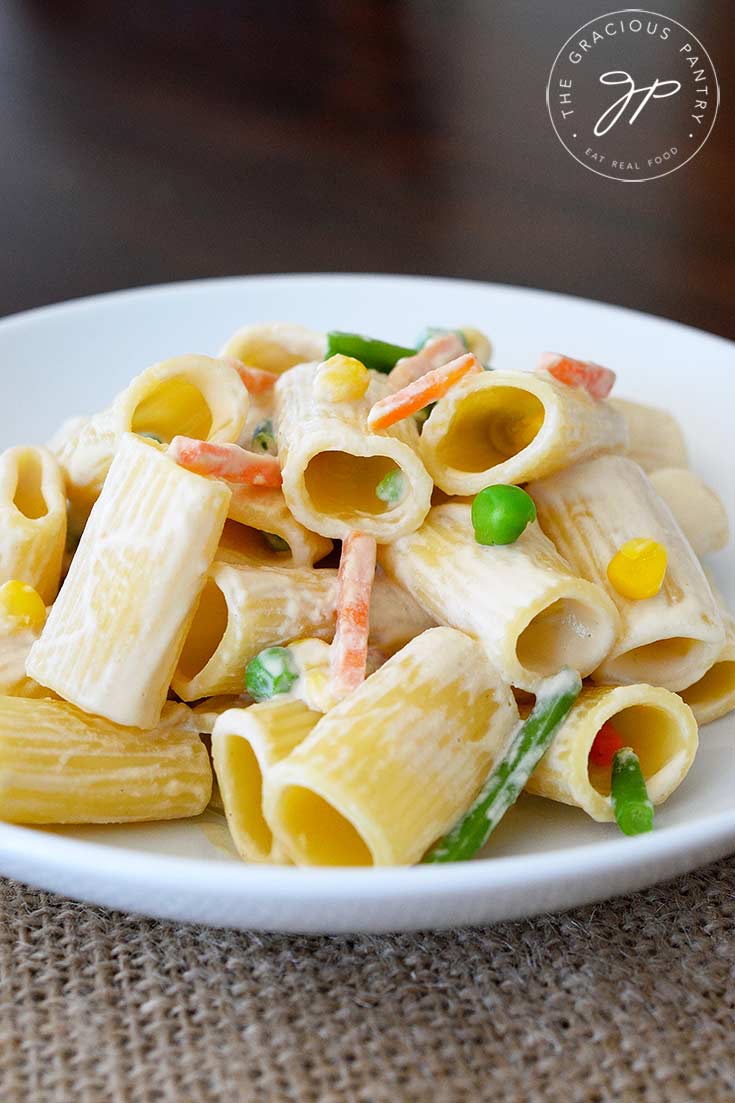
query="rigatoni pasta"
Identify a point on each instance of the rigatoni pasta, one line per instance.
(590, 511)
(191, 395)
(246, 744)
(655, 437)
(508, 427)
(383, 774)
(132, 588)
(32, 519)
(332, 463)
(523, 602)
(61, 765)
(654, 722)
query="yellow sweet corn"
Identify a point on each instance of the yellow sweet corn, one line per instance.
(21, 605)
(341, 379)
(638, 568)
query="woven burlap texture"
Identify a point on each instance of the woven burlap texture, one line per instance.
(629, 1000)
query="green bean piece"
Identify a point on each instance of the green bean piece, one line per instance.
(630, 800)
(500, 514)
(263, 438)
(438, 331)
(422, 416)
(276, 543)
(392, 487)
(151, 436)
(509, 775)
(378, 355)
(271, 672)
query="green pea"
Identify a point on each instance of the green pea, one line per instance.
(263, 438)
(276, 543)
(501, 513)
(391, 488)
(271, 672)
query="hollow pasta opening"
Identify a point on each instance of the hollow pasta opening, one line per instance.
(715, 685)
(658, 662)
(557, 636)
(173, 407)
(242, 544)
(244, 791)
(206, 632)
(343, 485)
(651, 732)
(320, 834)
(489, 427)
(29, 498)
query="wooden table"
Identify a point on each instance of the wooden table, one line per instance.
(145, 142)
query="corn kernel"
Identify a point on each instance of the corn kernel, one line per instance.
(341, 379)
(21, 605)
(638, 568)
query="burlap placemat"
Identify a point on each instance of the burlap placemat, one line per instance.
(629, 1000)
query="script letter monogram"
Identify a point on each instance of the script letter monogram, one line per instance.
(659, 90)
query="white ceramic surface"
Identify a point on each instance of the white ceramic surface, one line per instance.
(72, 358)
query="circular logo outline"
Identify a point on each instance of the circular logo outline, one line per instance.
(658, 175)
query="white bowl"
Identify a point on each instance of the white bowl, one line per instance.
(72, 358)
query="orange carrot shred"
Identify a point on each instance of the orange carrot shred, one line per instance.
(593, 378)
(257, 380)
(348, 657)
(423, 391)
(225, 461)
(435, 353)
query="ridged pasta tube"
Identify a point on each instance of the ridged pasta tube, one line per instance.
(191, 395)
(653, 721)
(590, 511)
(275, 346)
(246, 745)
(395, 764)
(15, 646)
(244, 609)
(113, 637)
(532, 614)
(59, 765)
(697, 509)
(254, 515)
(332, 463)
(508, 427)
(713, 695)
(32, 519)
(655, 438)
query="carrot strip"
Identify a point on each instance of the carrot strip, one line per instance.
(256, 380)
(596, 380)
(428, 388)
(225, 461)
(348, 656)
(435, 353)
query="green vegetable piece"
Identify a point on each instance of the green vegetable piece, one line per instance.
(276, 543)
(151, 436)
(423, 415)
(272, 671)
(392, 487)
(510, 774)
(378, 355)
(438, 331)
(500, 514)
(630, 800)
(263, 438)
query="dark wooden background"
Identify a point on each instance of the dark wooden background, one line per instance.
(146, 141)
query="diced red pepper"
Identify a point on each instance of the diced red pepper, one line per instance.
(608, 742)
(596, 380)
